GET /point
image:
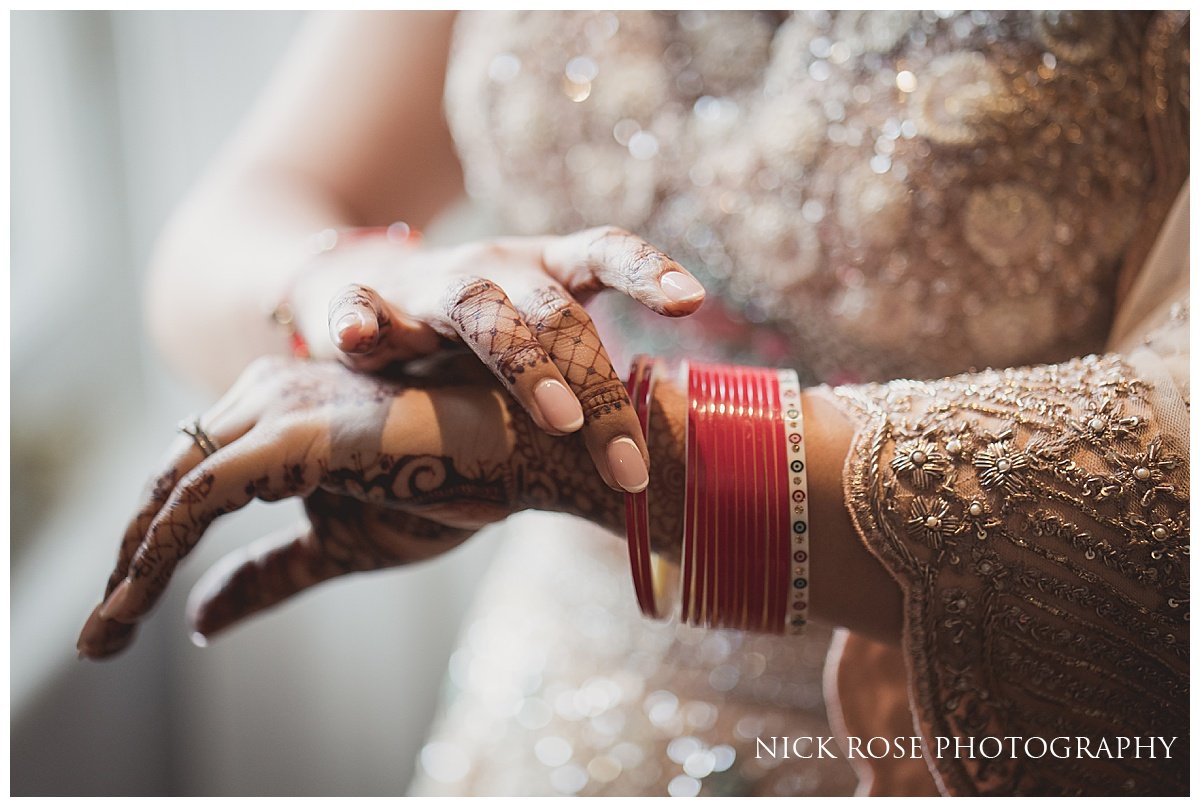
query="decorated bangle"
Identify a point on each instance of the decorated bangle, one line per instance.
(327, 240)
(793, 421)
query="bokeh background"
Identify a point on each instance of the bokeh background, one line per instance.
(114, 115)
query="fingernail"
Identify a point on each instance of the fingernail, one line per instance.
(681, 288)
(627, 466)
(199, 639)
(116, 601)
(348, 321)
(558, 405)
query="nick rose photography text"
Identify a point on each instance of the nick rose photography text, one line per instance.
(990, 747)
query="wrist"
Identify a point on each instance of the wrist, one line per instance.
(667, 442)
(851, 581)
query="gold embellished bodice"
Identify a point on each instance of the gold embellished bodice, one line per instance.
(894, 194)
(868, 197)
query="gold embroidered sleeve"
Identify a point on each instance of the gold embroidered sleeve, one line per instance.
(1037, 521)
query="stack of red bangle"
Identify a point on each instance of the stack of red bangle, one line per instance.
(745, 544)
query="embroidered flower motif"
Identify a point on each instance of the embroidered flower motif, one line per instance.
(930, 520)
(1101, 422)
(988, 564)
(1002, 466)
(921, 462)
(1147, 470)
(978, 518)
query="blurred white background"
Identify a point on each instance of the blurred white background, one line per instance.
(114, 115)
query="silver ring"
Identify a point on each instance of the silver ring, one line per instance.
(191, 427)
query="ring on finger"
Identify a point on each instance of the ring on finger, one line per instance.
(191, 427)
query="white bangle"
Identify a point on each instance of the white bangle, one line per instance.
(799, 521)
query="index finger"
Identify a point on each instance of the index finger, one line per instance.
(266, 464)
(609, 257)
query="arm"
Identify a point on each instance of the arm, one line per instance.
(350, 132)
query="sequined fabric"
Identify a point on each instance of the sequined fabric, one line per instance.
(561, 687)
(970, 179)
(1038, 520)
(867, 196)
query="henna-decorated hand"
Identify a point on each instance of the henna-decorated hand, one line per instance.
(516, 302)
(391, 472)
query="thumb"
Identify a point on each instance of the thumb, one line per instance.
(369, 333)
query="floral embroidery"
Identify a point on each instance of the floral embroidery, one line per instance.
(920, 461)
(1002, 467)
(930, 520)
(1068, 611)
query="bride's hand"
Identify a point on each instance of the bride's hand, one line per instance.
(390, 473)
(516, 302)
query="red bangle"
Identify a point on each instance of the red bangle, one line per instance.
(707, 510)
(637, 513)
(760, 505)
(324, 241)
(689, 563)
(720, 477)
(779, 549)
(738, 536)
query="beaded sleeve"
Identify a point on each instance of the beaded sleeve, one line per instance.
(1037, 521)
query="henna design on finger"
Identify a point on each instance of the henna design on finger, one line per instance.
(628, 256)
(365, 342)
(568, 335)
(203, 496)
(487, 320)
(160, 490)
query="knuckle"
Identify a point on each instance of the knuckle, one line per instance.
(605, 397)
(470, 296)
(193, 489)
(550, 308)
(518, 358)
(625, 257)
(640, 260)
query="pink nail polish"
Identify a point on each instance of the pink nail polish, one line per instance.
(558, 405)
(626, 465)
(681, 288)
(116, 601)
